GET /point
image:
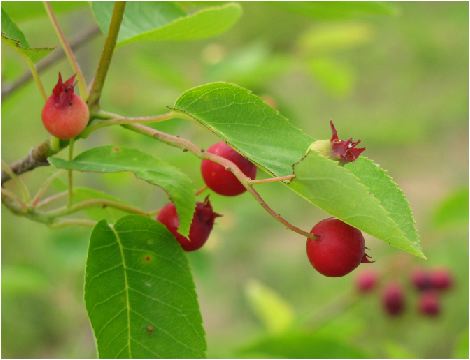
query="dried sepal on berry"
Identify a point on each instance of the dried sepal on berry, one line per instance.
(344, 150)
(63, 92)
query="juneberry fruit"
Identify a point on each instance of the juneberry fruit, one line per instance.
(366, 281)
(428, 304)
(65, 114)
(421, 279)
(393, 299)
(441, 279)
(220, 180)
(201, 225)
(337, 249)
(344, 150)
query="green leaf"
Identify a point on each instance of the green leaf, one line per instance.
(360, 193)
(334, 76)
(109, 159)
(15, 38)
(302, 345)
(139, 293)
(166, 21)
(258, 131)
(461, 346)
(453, 209)
(339, 10)
(36, 8)
(334, 37)
(265, 302)
(251, 66)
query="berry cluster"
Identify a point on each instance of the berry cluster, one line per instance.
(219, 180)
(336, 247)
(429, 284)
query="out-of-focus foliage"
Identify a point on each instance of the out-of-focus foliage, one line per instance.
(273, 311)
(406, 98)
(453, 209)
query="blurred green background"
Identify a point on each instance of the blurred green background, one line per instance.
(397, 81)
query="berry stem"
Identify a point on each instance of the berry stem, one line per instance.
(122, 120)
(271, 180)
(70, 173)
(95, 203)
(187, 145)
(73, 222)
(201, 190)
(37, 79)
(106, 56)
(67, 49)
(51, 199)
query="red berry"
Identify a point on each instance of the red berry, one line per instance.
(441, 279)
(65, 114)
(393, 299)
(201, 225)
(344, 150)
(428, 304)
(337, 249)
(421, 279)
(222, 181)
(366, 281)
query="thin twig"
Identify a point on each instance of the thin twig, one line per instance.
(271, 180)
(57, 54)
(70, 173)
(106, 55)
(201, 190)
(9, 197)
(187, 145)
(95, 203)
(37, 79)
(73, 222)
(20, 183)
(44, 187)
(36, 157)
(67, 49)
(51, 199)
(122, 120)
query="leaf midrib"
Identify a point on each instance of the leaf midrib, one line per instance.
(126, 287)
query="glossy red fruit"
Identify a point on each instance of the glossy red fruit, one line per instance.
(393, 299)
(441, 279)
(222, 181)
(366, 281)
(337, 249)
(201, 225)
(421, 279)
(65, 114)
(428, 304)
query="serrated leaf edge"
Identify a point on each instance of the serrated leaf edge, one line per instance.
(417, 251)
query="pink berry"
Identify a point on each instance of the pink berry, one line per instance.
(441, 279)
(201, 225)
(65, 114)
(421, 279)
(337, 249)
(393, 299)
(222, 181)
(428, 304)
(366, 281)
